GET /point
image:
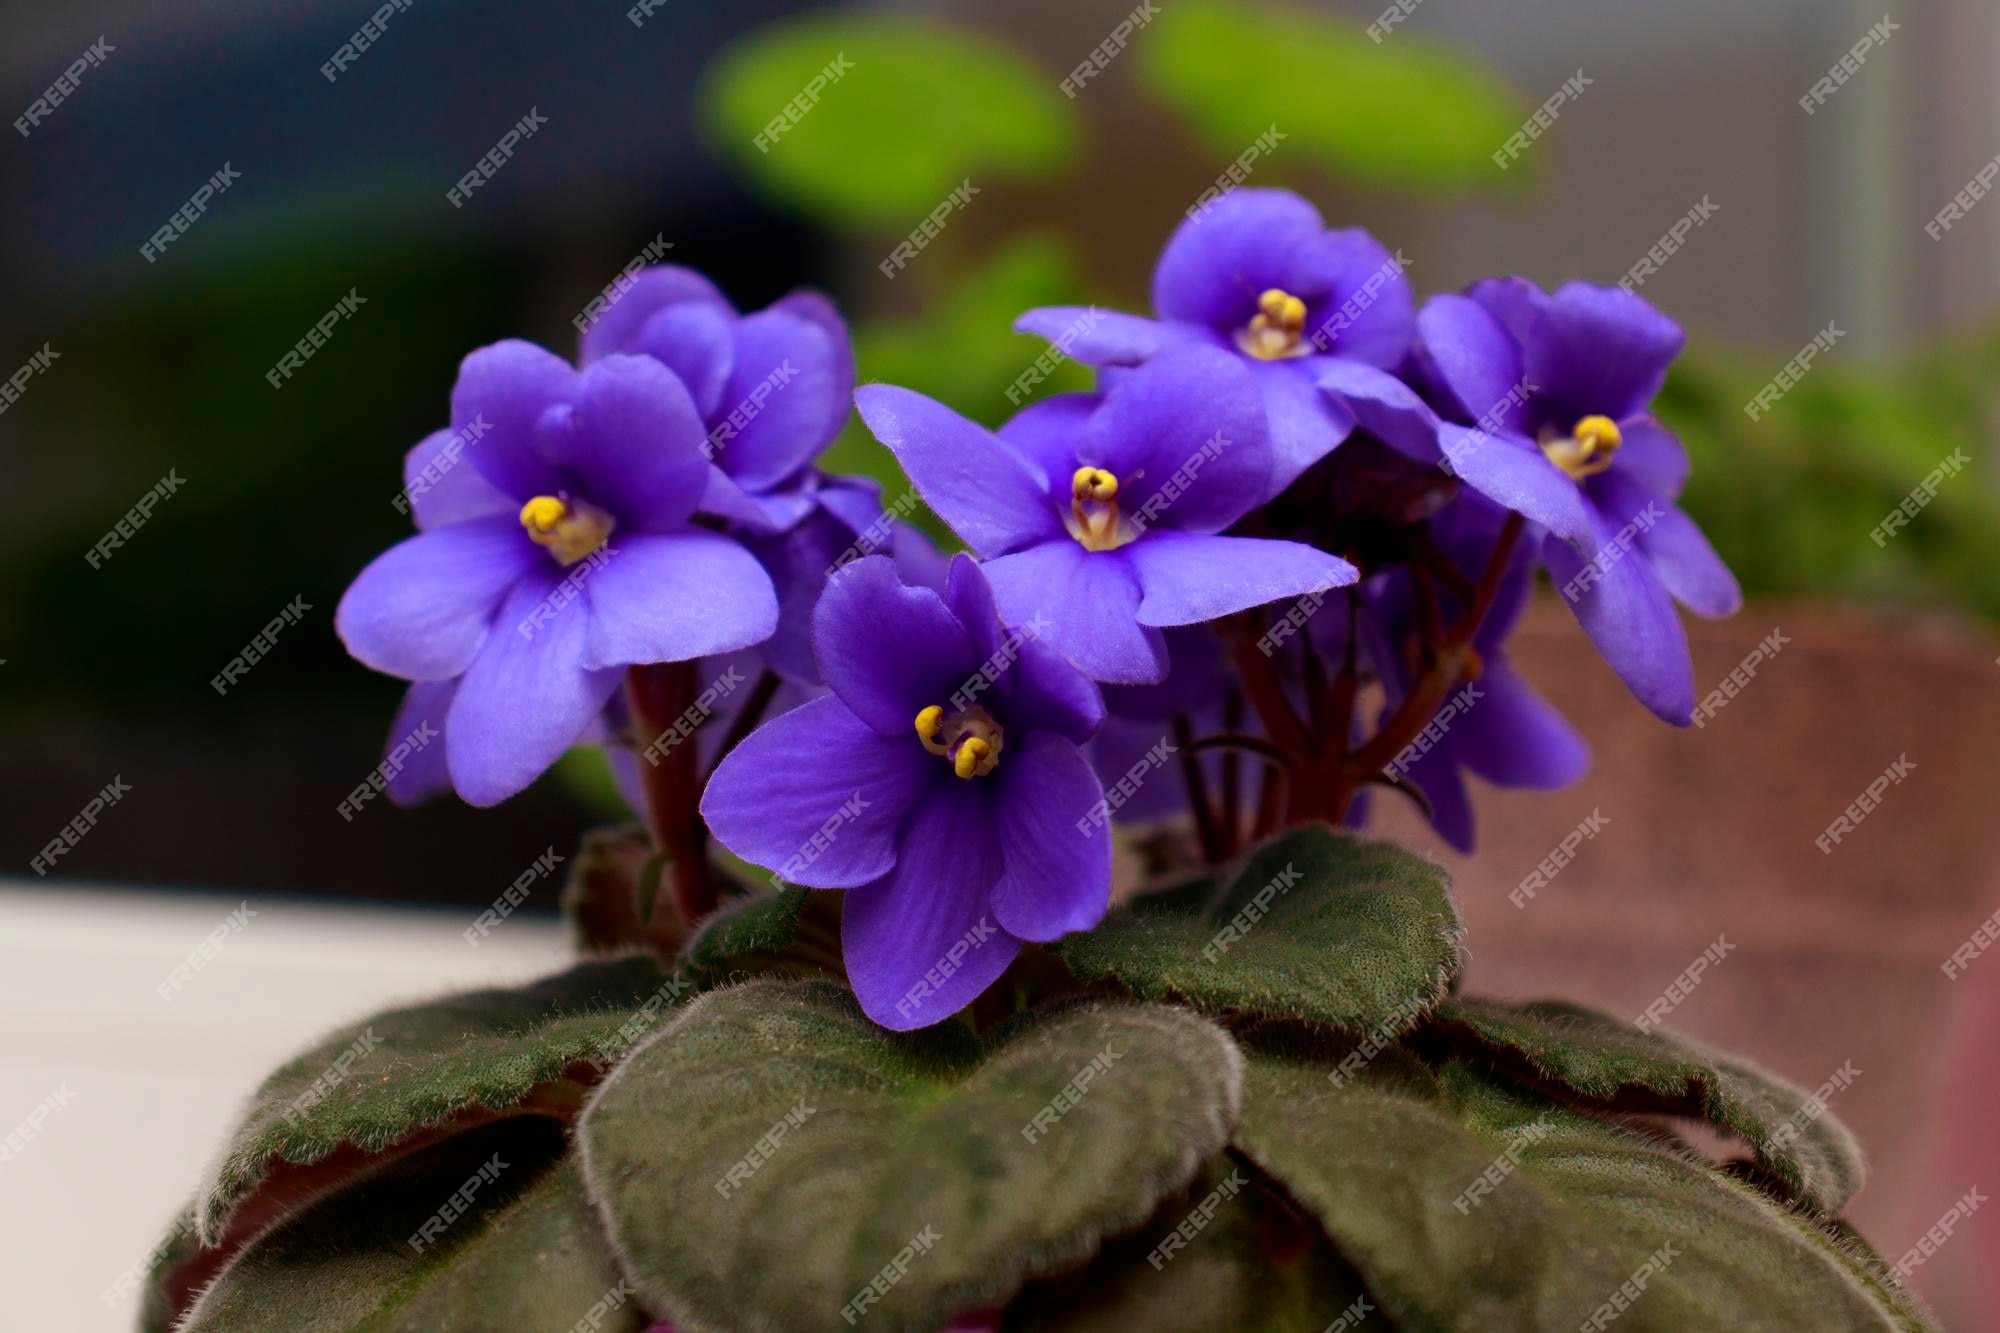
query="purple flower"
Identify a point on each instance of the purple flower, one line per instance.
(1260, 276)
(562, 554)
(1539, 403)
(940, 783)
(1102, 514)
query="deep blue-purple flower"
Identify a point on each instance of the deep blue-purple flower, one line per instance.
(554, 552)
(1102, 514)
(1259, 275)
(1539, 402)
(940, 782)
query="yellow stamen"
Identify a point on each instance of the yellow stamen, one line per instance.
(970, 754)
(1587, 450)
(970, 739)
(1273, 333)
(1093, 483)
(1093, 510)
(571, 529)
(929, 722)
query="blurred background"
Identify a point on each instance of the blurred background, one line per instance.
(650, 118)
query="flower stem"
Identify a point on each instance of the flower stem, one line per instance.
(658, 695)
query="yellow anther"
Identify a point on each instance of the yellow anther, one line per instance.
(1596, 433)
(542, 513)
(1586, 450)
(1093, 483)
(1273, 333)
(571, 529)
(1282, 309)
(971, 754)
(929, 722)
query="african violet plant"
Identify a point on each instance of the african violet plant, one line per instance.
(930, 1075)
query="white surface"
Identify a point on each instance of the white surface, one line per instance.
(154, 1084)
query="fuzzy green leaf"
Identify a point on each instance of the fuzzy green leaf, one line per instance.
(1597, 1056)
(385, 1078)
(768, 1154)
(526, 1253)
(1466, 1204)
(1317, 925)
(749, 929)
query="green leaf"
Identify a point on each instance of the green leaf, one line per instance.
(525, 1254)
(386, 1078)
(1365, 936)
(1254, 1266)
(1466, 1204)
(1405, 112)
(788, 932)
(920, 107)
(765, 1157)
(1597, 1056)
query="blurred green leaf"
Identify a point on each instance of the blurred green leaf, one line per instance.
(1405, 112)
(920, 108)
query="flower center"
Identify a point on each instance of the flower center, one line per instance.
(971, 739)
(1093, 511)
(572, 529)
(1587, 450)
(1273, 333)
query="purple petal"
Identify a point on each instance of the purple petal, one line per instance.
(1626, 612)
(421, 609)
(633, 442)
(1188, 578)
(652, 291)
(1305, 425)
(1438, 778)
(970, 598)
(1515, 474)
(442, 489)
(1471, 361)
(974, 481)
(1056, 874)
(694, 339)
(722, 498)
(785, 400)
(1514, 738)
(1089, 603)
(1599, 350)
(1043, 691)
(424, 775)
(813, 306)
(1515, 302)
(1378, 325)
(1384, 406)
(1651, 455)
(887, 650)
(1216, 264)
(921, 942)
(509, 386)
(1687, 566)
(527, 696)
(1190, 421)
(1048, 432)
(1101, 337)
(669, 597)
(819, 797)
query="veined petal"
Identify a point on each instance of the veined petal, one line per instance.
(888, 651)
(669, 597)
(1599, 350)
(633, 441)
(510, 385)
(1089, 602)
(424, 774)
(1056, 859)
(651, 291)
(1305, 424)
(1515, 738)
(1688, 567)
(1382, 405)
(1187, 438)
(1216, 263)
(974, 481)
(1515, 474)
(692, 339)
(1376, 329)
(1472, 361)
(785, 400)
(1621, 605)
(1101, 337)
(1191, 577)
(443, 488)
(421, 609)
(1652, 456)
